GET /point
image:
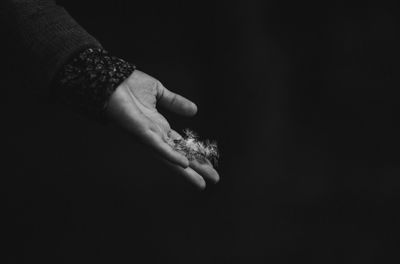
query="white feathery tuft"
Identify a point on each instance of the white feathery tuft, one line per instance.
(194, 149)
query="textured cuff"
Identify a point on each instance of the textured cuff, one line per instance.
(87, 82)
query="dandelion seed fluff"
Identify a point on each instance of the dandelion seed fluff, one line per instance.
(194, 149)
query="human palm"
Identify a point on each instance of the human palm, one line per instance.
(134, 107)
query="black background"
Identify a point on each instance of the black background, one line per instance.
(302, 99)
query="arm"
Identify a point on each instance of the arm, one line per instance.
(56, 50)
(46, 37)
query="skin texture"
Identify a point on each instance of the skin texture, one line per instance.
(133, 106)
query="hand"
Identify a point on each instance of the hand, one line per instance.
(133, 106)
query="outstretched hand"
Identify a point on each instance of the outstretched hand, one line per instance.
(134, 107)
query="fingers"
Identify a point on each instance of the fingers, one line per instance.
(160, 146)
(205, 169)
(174, 102)
(191, 175)
(174, 135)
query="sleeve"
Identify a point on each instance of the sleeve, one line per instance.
(62, 61)
(46, 37)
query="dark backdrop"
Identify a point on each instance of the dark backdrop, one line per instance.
(302, 99)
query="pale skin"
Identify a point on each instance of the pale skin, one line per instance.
(133, 106)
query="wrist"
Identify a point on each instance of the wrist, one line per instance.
(87, 82)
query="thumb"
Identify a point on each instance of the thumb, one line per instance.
(175, 102)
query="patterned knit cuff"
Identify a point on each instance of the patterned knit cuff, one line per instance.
(87, 82)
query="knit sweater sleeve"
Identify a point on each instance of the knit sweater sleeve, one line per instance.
(46, 37)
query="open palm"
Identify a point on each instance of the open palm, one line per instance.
(133, 106)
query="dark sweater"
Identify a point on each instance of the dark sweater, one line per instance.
(46, 37)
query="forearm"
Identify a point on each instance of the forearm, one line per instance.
(46, 37)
